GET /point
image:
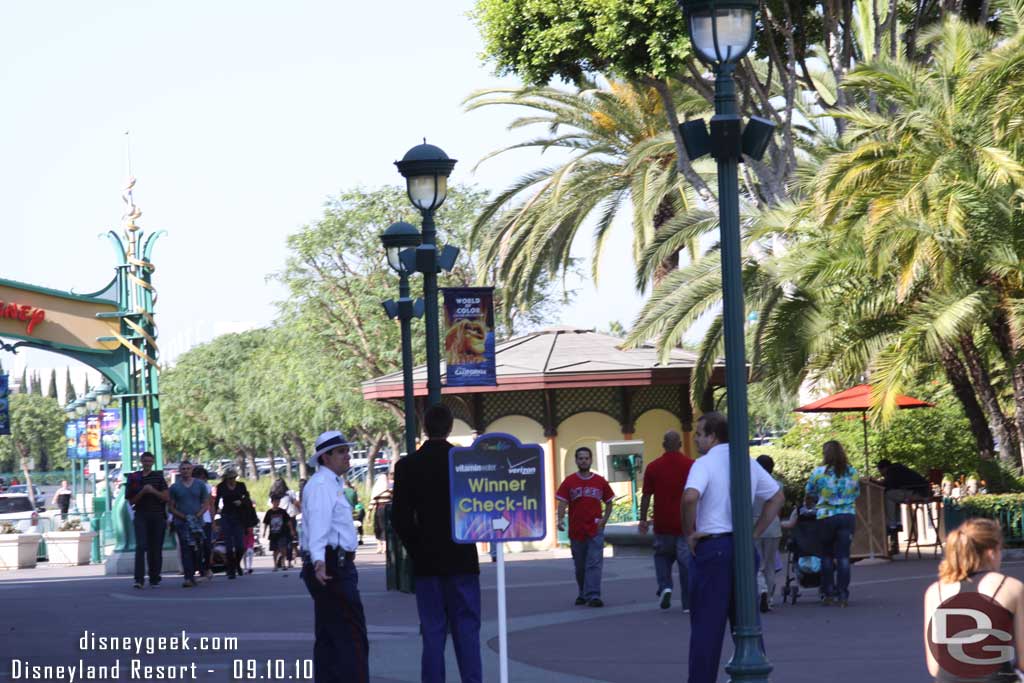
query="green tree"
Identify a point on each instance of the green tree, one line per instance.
(24, 387)
(36, 441)
(619, 160)
(69, 388)
(51, 390)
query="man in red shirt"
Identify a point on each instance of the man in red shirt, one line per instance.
(583, 492)
(665, 479)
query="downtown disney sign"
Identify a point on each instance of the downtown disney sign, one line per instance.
(111, 330)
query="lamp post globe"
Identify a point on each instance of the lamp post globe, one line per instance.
(397, 237)
(79, 407)
(103, 395)
(91, 402)
(426, 169)
(722, 31)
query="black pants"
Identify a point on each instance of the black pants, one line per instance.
(341, 652)
(149, 539)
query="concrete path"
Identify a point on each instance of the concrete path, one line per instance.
(47, 611)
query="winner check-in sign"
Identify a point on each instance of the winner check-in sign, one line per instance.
(497, 490)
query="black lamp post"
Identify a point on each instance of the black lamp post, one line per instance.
(722, 31)
(399, 237)
(426, 169)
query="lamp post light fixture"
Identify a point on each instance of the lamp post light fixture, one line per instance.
(400, 240)
(426, 169)
(91, 402)
(722, 32)
(104, 393)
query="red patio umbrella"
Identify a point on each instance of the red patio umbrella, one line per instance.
(858, 400)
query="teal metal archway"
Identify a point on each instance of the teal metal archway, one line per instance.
(112, 330)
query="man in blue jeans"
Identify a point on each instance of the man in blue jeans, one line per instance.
(447, 573)
(707, 522)
(664, 480)
(583, 492)
(188, 502)
(146, 490)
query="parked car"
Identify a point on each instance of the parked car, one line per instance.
(23, 490)
(17, 506)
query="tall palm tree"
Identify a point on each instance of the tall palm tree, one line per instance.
(615, 155)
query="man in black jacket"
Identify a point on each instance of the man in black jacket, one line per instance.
(447, 573)
(901, 483)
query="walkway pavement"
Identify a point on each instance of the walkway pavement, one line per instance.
(47, 610)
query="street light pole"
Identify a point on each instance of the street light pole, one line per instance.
(426, 169)
(722, 31)
(395, 238)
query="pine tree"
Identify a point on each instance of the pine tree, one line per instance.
(23, 387)
(69, 389)
(87, 387)
(37, 384)
(52, 390)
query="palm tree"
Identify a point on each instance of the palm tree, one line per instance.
(933, 190)
(618, 156)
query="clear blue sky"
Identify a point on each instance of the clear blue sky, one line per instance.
(244, 116)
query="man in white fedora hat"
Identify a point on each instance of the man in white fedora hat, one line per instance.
(341, 652)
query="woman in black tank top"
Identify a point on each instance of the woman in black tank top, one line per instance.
(970, 626)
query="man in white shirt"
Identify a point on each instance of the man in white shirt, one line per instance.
(707, 522)
(341, 652)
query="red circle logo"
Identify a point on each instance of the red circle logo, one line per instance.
(971, 636)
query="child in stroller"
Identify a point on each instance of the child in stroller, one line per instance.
(803, 568)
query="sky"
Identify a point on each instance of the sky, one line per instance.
(243, 118)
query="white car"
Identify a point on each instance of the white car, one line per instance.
(17, 506)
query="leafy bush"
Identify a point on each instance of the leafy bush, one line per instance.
(793, 466)
(71, 525)
(8, 528)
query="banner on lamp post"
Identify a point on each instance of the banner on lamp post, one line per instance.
(71, 438)
(81, 445)
(110, 433)
(5, 406)
(469, 336)
(92, 436)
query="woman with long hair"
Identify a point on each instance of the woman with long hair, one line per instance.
(836, 485)
(973, 596)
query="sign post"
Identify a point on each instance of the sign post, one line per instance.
(497, 493)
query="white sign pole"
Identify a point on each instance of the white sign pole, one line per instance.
(502, 626)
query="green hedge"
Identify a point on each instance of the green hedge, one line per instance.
(1007, 509)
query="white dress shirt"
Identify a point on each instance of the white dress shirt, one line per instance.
(326, 515)
(710, 477)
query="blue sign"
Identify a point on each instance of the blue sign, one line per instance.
(497, 490)
(5, 406)
(469, 336)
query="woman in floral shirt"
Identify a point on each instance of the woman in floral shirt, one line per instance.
(837, 486)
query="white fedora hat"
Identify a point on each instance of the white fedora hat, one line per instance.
(326, 442)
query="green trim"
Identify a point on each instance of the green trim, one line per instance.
(57, 293)
(60, 348)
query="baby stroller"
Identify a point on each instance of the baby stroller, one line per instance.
(803, 568)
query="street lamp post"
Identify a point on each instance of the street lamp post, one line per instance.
(426, 169)
(722, 31)
(398, 241)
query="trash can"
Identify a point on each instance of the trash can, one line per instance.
(400, 576)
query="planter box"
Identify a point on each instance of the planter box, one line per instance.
(69, 548)
(18, 551)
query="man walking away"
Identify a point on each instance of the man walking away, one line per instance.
(447, 573)
(583, 492)
(62, 499)
(767, 544)
(147, 492)
(341, 652)
(707, 522)
(664, 480)
(188, 503)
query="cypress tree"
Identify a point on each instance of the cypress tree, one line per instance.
(69, 389)
(52, 390)
(87, 387)
(24, 387)
(37, 384)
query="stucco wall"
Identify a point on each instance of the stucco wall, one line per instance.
(462, 434)
(651, 428)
